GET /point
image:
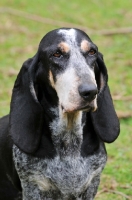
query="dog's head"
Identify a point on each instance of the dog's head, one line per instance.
(71, 57)
(69, 72)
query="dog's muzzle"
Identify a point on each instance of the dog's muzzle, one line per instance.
(87, 100)
(88, 93)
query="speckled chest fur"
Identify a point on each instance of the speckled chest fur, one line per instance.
(68, 176)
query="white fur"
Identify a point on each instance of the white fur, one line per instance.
(67, 89)
(70, 34)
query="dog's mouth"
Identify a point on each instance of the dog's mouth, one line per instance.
(87, 108)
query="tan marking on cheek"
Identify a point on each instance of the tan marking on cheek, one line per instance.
(64, 47)
(102, 83)
(51, 79)
(95, 105)
(85, 45)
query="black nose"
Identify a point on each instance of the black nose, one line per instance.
(88, 91)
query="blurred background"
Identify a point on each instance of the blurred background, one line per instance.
(109, 24)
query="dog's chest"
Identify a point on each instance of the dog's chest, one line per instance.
(67, 174)
(57, 178)
(66, 136)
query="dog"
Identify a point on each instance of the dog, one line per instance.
(61, 114)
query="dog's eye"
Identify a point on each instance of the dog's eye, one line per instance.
(57, 54)
(92, 52)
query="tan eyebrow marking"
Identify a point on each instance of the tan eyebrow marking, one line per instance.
(51, 79)
(64, 47)
(85, 45)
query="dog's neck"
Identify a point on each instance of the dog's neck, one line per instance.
(67, 132)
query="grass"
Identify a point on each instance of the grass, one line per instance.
(19, 40)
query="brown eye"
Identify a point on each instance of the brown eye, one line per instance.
(92, 52)
(57, 54)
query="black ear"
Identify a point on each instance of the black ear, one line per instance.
(26, 112)
(105, 120)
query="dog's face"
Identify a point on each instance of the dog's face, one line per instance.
(70, 56)
(67, 70)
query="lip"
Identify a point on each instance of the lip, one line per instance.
(82, 108)
(86, 108)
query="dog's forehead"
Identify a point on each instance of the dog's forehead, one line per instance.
(73, 36)
(68, 35)
(76, 38)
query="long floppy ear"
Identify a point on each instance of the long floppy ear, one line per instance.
(26, 112)
(105, 120)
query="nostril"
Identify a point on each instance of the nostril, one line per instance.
(85, 94)
(88, 91)
(88, 95)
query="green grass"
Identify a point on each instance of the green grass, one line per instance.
(19, 38)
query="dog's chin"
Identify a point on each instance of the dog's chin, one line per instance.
(90, 107)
